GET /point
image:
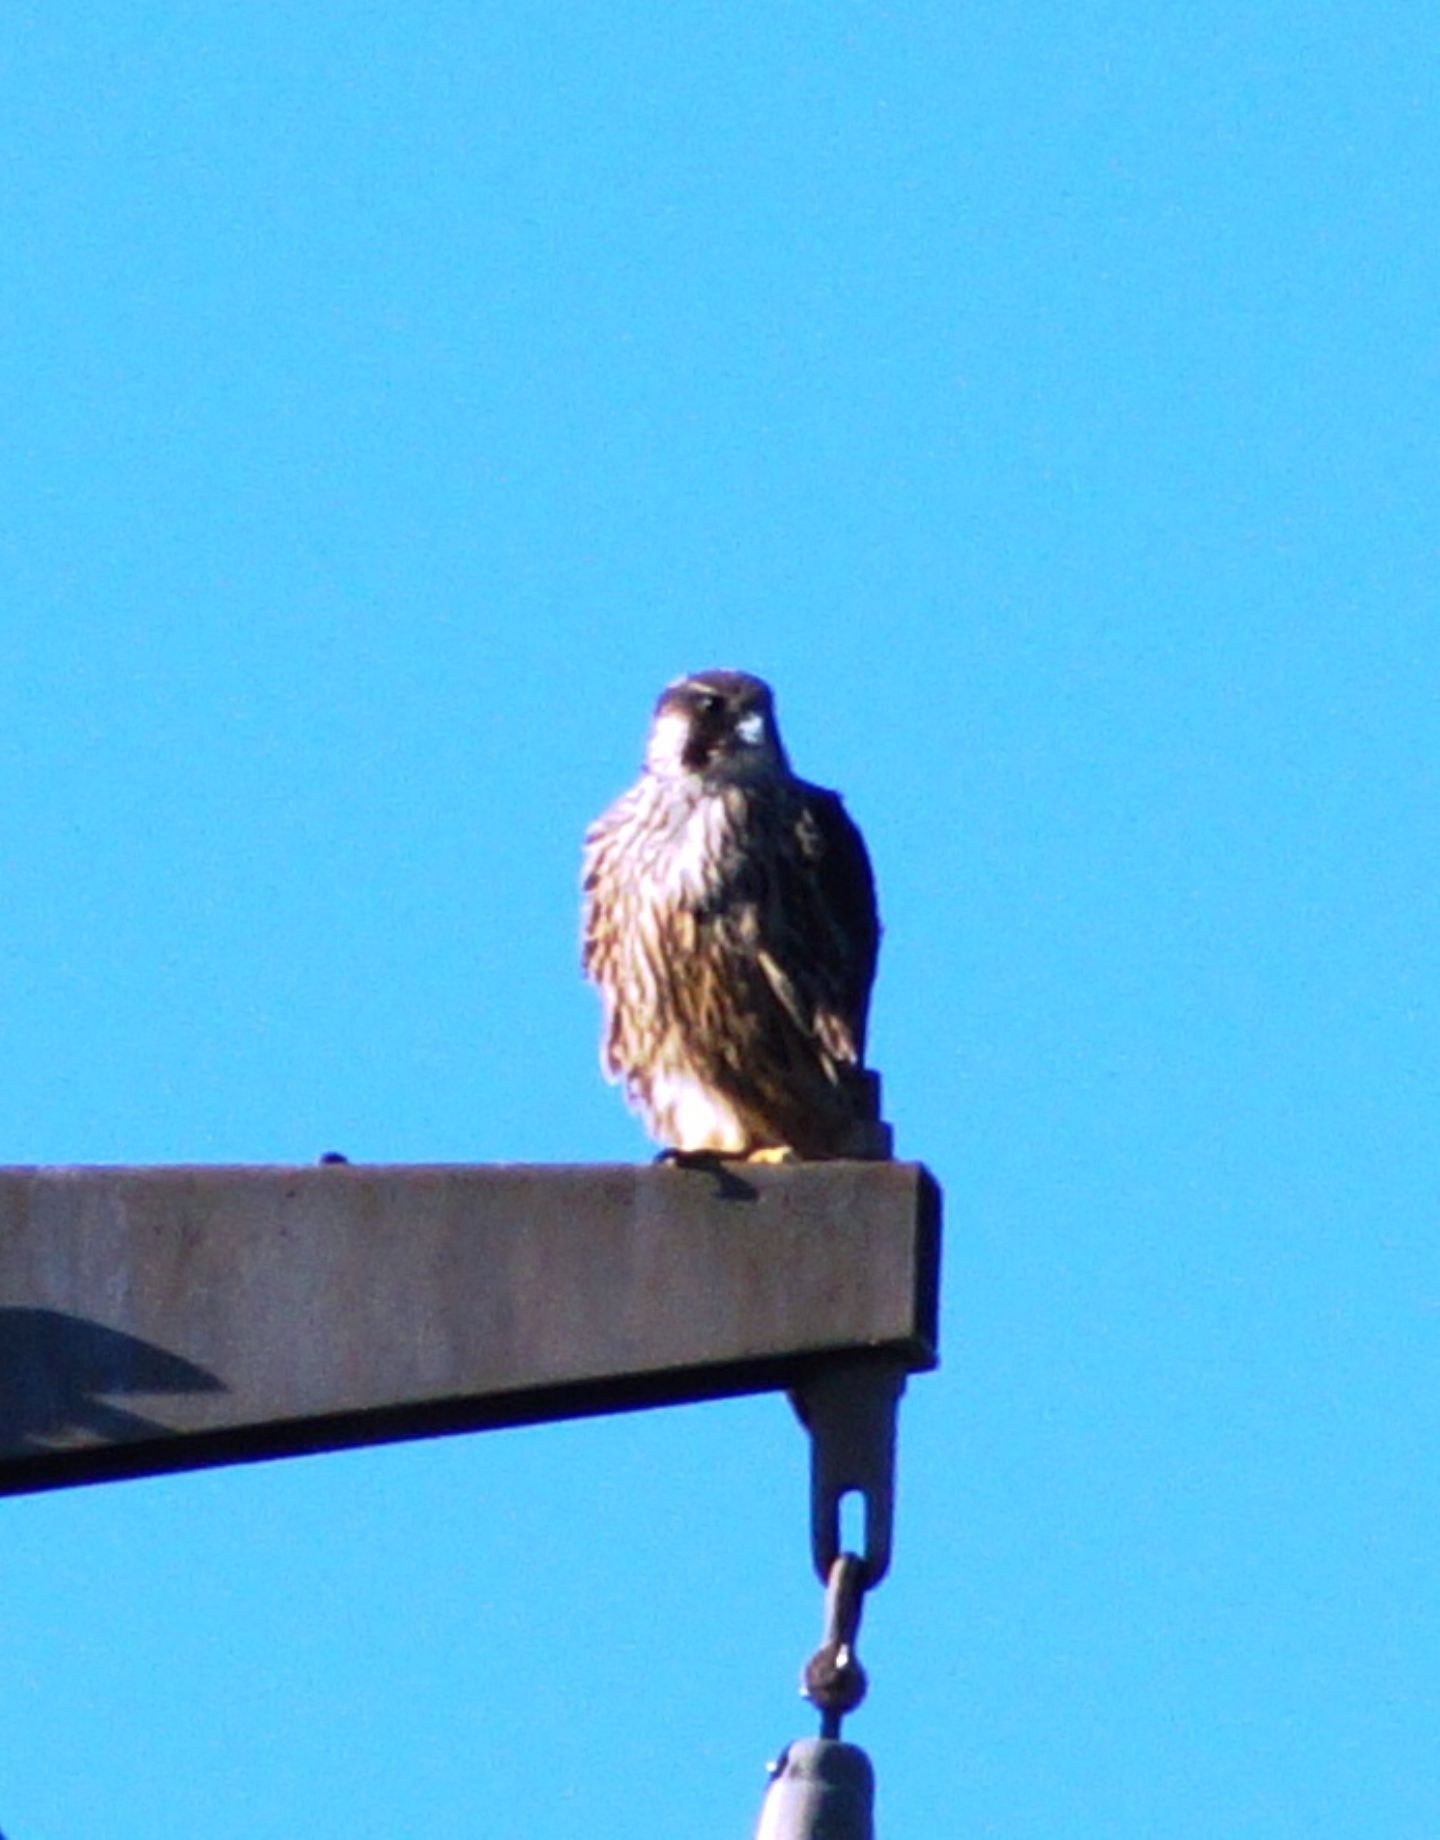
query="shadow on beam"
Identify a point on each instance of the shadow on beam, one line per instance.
(55, 1371)
(151, 1449)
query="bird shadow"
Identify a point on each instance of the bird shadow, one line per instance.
(56, 1371)
(728, 1185)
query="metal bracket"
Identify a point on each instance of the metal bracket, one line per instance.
(849, 1408)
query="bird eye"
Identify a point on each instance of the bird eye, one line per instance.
(707, 704)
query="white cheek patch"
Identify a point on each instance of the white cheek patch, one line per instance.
(751, 728)
(668, 737)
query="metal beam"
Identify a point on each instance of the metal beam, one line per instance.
(161, 1319)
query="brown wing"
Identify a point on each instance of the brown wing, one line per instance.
(848, 885)
(822, 935)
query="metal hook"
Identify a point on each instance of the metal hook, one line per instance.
(834, 1681)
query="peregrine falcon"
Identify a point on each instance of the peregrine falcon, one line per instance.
(730, 925)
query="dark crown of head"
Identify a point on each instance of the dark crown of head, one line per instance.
(713, 690)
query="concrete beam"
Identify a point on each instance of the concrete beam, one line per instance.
(161, 1319)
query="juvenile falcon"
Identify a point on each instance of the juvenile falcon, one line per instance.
(730, 924)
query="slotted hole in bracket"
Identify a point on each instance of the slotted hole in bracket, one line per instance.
(852, 1522)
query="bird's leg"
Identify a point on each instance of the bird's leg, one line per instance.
(772, 1153)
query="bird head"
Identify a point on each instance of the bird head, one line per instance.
(715, 724)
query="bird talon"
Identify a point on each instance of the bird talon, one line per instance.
(682, 1159)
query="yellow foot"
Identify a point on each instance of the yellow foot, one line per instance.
(772, 1153)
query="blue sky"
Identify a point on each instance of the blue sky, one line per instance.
(1043, 398)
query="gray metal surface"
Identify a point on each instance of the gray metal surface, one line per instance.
(157, 1319)
(822, 1790)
